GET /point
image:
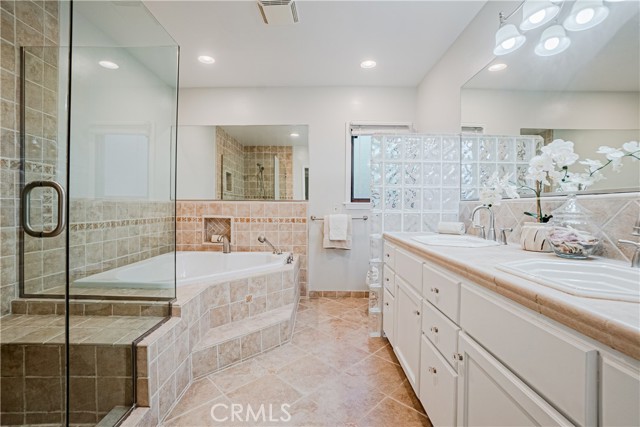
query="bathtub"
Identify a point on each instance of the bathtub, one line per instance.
(191, 268)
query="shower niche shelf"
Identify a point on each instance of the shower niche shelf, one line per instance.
(215, 225)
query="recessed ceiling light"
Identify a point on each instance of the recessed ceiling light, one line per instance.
(206, 59)
(108, 64)
(294, 135)
(368, 64)
(497, 67)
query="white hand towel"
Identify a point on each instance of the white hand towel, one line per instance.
(451, 228)
(327, 243)
(338, 226)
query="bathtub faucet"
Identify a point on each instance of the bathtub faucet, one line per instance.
(263, 239)
(226, 246)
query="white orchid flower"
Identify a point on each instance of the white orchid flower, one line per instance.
(631, 146)
(611, 153)
(593, 165)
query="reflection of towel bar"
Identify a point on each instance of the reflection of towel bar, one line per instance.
(315, 218)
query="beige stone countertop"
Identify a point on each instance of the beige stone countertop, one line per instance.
(613, 323)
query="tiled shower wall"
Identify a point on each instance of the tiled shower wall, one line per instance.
(615, 214)
(35, 24)
(265, 156)
(232, 151)
(283, 223)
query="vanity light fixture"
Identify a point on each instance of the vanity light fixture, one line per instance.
(497, 67)
(553, 41)
(206, 59)
(368, 64)
(536, 13)
(508, 39)
(585, 14)
(108, 64)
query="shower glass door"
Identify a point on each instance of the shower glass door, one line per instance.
(98, 109)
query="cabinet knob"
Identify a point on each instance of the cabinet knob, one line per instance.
(457, 356)
(386, 278)
(435, 290)
(386, 303)
(434, 329)
(432, 370)
(387, 255)
(416, 312)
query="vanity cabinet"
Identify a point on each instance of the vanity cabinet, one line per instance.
(477, 358)
(489, 394)
(407, 332)
(388, 317)
(619, 393)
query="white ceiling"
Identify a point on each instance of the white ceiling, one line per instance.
(269, 134)
(325, 48)
(603, 58)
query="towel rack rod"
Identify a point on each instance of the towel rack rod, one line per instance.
(315, 218)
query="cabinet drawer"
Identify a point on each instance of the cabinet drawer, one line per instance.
(442, 290)
(409, 267)
(389, 255)
(441, 331)
(561, 368)
(438, 386)
(388, 319)
(389, 280)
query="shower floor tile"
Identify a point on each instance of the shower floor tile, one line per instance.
(331, 374)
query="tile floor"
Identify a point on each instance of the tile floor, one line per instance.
(331, 374)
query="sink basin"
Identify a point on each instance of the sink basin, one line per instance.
(460, 241)
(591, 279)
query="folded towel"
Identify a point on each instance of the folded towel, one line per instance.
(215, 237)
(451, 228)
(338, 226)
(327, 243)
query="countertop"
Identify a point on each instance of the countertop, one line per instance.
(613, 323)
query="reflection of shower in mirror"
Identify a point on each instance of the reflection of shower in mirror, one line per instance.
(260, 176)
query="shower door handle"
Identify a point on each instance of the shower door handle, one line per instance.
(26, 208)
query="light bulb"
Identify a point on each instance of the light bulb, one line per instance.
(537, 17)
(551, 43)
(508, 43)
(368, 64)
(584, 16)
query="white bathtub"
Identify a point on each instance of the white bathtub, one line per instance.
(191, 268)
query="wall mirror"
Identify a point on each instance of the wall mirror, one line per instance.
(588, 94)
(253, 162)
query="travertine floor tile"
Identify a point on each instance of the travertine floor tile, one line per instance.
(331, 374)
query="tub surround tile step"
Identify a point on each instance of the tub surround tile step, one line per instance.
(241, 328)
(36, 306)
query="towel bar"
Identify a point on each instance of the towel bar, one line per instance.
(315, 218)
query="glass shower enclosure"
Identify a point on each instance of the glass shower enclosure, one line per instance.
(94, 202)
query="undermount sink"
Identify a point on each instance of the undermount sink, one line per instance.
(590, 278)
(455, 240)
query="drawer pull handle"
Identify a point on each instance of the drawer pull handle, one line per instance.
(416, 312)
(435, 290)
(432, 370)
(457, 356)
(434, 329)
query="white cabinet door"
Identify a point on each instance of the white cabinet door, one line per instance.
(438, 382)
(620, 393)
(490, 395)
(407, 332)
(388, 320)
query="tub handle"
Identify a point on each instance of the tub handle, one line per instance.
(290, 258)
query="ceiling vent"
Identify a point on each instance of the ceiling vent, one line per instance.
(278, 12)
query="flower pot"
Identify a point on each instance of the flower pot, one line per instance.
(534, 238)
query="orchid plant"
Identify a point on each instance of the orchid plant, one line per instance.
(551, 166)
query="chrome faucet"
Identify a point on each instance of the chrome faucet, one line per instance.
(226, 245)
(263, 239)
(635, 261)
(491, 235)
